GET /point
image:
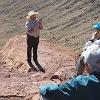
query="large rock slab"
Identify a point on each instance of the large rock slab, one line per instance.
(58, 62)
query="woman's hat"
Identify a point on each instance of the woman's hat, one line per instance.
(31, 13)
(96, 26)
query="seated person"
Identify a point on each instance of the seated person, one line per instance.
(81, 87)
(95, 37)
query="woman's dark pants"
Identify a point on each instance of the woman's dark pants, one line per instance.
(32, 46)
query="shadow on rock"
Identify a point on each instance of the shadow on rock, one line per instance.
(39, 67)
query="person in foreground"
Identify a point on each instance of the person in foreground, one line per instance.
(80, 66)
(33, 27)
(81, 87)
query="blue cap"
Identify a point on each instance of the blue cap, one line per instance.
(96, 26)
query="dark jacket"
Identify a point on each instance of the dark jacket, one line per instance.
(79, 88)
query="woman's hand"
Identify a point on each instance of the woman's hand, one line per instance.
(40, 25)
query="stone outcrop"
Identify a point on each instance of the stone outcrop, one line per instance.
(16, 82)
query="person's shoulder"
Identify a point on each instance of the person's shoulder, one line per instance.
(97, 42)
(84, 79)
(88, 43)
(81, 77)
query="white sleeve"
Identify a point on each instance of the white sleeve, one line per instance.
(28, 26)
(88, 43)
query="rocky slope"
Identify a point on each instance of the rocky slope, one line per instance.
(15, 80)
(67, 22)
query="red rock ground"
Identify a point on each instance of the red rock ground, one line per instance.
(17, 82)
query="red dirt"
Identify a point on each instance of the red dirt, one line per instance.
(58, 62)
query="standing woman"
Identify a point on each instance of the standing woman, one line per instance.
(33, 27)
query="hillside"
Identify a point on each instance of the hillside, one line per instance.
(16, 83)
(67, 22)
(67, 26)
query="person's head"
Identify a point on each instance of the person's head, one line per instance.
(92, 57)
(32, 15)
(97, 27)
